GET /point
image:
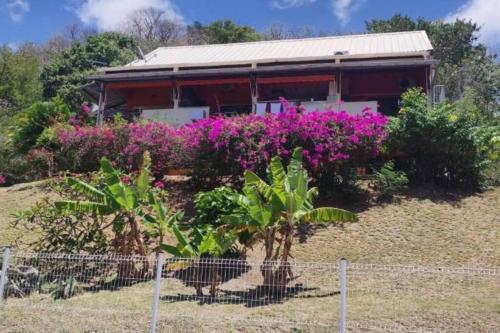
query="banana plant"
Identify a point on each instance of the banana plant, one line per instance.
(276, 208)
(118, 201)
(198, 254)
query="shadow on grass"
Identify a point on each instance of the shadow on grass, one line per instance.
(259, 296)
(437, 194)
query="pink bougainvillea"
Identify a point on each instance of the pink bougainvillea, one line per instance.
(226, 146)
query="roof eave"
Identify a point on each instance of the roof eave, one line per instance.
(162, 74)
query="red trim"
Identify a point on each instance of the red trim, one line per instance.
(295, 79)
(214, 81)
(142, 84)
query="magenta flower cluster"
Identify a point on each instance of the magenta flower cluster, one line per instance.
(328, 138)
(227, 146)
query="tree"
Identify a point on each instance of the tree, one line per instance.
(463, 61)
(220, 32)
(277, 31)
(30, 123)
(276, 209)
(19, 73)
(152, 28)
(69, 70)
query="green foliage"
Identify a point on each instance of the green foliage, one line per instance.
(487, 136)
(212, 206)
(388, 181)
(63, 232)
(437, 144)
(19, 73)
(464, 63)
(69, 70)
(32, 122)
(120, 201)
(221, 32)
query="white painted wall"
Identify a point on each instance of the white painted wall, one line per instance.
(349, 107)
(176, 117)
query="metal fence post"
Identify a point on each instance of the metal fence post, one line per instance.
(343, 294)
(160, 260)
(3, 277)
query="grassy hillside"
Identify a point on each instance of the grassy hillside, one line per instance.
(426, 227)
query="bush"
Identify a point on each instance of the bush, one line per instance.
(335, 143)
(32, 122)
(435, 144)
(387, 181)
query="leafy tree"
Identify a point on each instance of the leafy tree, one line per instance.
(221, 32)
(32, 122)
(19, 76)
(463, 61)
(69, 70)
(276, 209)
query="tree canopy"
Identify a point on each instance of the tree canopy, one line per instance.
(221, 32)
(464, 62)
(69, 69)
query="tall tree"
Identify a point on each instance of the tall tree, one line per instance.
(69, 70)
(464, 63)
(153, 28)
(278, 31)
(19, 75)
(221, 32)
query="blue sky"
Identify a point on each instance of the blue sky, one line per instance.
(37, 20)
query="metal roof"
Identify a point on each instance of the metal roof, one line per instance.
(397, 44)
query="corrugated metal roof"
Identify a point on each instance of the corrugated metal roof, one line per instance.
(396, 44)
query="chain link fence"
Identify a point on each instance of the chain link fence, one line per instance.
(104, 293)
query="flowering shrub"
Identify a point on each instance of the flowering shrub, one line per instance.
(330, 139)
(80, 148)
(3, 180)
(220, 146)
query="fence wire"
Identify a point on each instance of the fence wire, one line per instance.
(106, 293)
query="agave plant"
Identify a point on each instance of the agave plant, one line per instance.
(120, 202)
(276, 208)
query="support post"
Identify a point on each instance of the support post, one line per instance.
(343, 294)
(255, 93)
(160, 260)
(3, 277)
(102, 105)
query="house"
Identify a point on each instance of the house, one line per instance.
(183, 83)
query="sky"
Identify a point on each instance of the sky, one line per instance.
(38, 20)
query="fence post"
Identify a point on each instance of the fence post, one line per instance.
(160, 260)
(3, 277)
(343, 294)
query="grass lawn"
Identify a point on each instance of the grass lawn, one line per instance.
(427, 227)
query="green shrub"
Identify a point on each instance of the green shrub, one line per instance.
(387, 181)
(212, 205)
(32, 122)
(435, 144)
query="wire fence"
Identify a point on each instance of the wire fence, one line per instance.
(106, 293)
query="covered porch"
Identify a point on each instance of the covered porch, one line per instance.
(181, 97)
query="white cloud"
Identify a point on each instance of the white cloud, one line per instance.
(110, 14)
(344, 8)
(485, 13)
(17, 9)
(285, 4)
